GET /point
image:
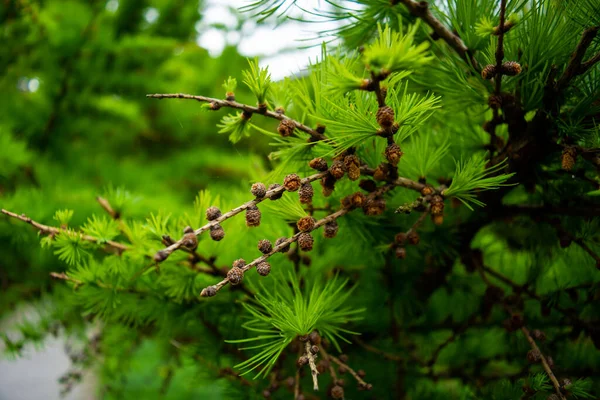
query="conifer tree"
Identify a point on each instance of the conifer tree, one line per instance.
(425, 226)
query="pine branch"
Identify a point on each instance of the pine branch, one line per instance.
(455, 334)
(166, 252)
(562, 232)
(400, 181)
(107, 207)
(544, 362)
(362, 384)
(50, 230)
(421, 10)
(217, 103)
(212, 290)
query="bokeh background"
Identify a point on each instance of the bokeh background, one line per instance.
(75, 124)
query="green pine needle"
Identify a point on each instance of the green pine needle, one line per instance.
(281, 314)
(102, 228)
(236, 125)
(258, 80)
(471, 176)
(396, 51)
(63, 217)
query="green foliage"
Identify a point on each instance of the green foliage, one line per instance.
(258, 80)
(431, 316)
(471, 176)
(281, 313)
(394, 51)
(229, 85)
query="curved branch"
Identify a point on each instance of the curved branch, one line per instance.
(421, 10)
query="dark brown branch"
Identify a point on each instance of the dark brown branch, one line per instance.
(421, 10)
(500, 48)
(575, 66)
(239, 106)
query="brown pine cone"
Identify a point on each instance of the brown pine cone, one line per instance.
(488, 72)
(305, 193)
(511, 68)
(252, 216)
(393, 154)
(385, 117)
(265, 246)
(212, 213)
(235, 275)
(330, 229)
(318, 164)
(263, 268)
(272, 187)
(258, 190)
(305, 241)
(328, 184)
(217, 233)
(337, 169)
(437, 205)
(568, 159)
(286, 127)
(292, 182)
(306, 224)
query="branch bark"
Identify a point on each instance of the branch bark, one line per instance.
(421, 10)
(239, 106)
(51, 230)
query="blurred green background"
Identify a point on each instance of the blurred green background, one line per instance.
(75, 124)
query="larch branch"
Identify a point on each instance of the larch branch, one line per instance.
(166, 252)
(239, 106)
(51, 230)
(544, 362)
(421, 10)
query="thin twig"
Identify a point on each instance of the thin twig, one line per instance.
(339, 362)
(421, 10)
(166, 252)
(318, 224)
(51, 230)
(544, 362)
(212, 290)
(107, 207)
(239, 106)
(313, 366)
(500, 48)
